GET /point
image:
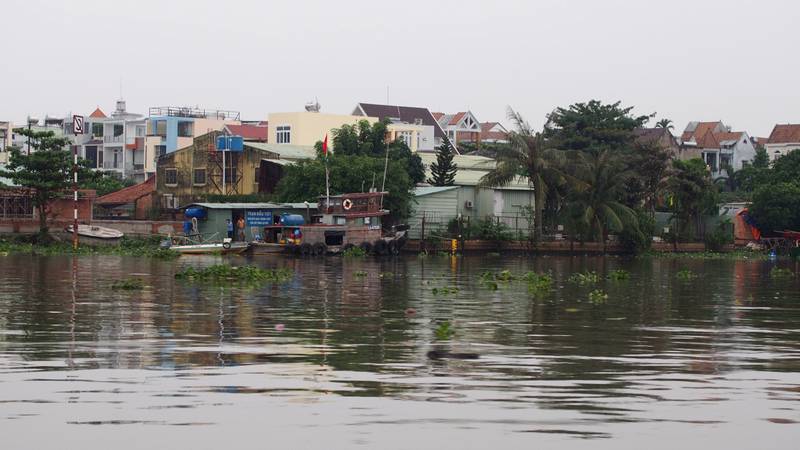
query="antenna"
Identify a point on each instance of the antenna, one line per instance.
(387, 94)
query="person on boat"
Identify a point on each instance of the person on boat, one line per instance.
(230, 228)
(240, 229)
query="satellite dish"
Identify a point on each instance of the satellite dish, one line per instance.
(313, 106)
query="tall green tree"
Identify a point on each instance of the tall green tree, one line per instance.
(305, 181)
(529, 155)
(46, 171)
(593, 127)
(776, 207)
(443, 171)
(665, 123)
(692, 194)
(362, 138)
(598, 182)
(398, 150)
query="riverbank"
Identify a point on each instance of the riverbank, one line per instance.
(143, 247)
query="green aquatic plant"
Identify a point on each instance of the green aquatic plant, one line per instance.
(538, 283)
(597, 296)
(779, 273)
(444, 290)
(619, 275)
(360, 273)
(226, 273)
(686, 274)
(128, 284)
(444, 331)
(146, 248)
(584, 278)
(354, 252)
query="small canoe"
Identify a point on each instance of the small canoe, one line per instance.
(97, 232)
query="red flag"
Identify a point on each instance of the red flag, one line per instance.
(325, 145)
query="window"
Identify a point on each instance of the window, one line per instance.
(283, 134)
(258, 173)
(161, 150)
(171, 177)
(90, 154)
(157, 128)
(418, 121)
(199, 177)
(140, 131)
(406, 137)
(97, 129)
(118, 130)
(185, 129)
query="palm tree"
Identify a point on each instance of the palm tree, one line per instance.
(528, 156)
(598, 181)
(665, 123)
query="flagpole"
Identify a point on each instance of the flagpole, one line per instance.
(327, 174)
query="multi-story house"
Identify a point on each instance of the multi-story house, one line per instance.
(115, 143)
(782, 140)
(6, 134)
(306, 128)
(170, 128)
(460, 127)
(718, 146)
(59, 127)
(413, 125)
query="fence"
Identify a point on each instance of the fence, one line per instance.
(433, 225)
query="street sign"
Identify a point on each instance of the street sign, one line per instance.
(77, 124)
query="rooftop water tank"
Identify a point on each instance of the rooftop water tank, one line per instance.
(292, 220)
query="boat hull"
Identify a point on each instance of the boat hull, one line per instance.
(204, 249)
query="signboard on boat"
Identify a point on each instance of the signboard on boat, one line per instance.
(258, 217)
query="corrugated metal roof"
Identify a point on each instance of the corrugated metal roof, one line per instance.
(428, 190)
(286, 151)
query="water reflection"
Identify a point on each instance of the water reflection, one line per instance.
(663, 356)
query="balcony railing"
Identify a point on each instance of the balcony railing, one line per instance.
(111, 165)
(114, 139)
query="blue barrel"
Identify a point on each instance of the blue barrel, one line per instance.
(196, 212)
(292, 220)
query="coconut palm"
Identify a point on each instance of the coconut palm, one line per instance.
(528, 156)
(665, 123)
(598, 181)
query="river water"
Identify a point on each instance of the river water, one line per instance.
(339, 356)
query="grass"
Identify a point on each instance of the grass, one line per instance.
(619, 275)
(444, 290)
(354, 252)
(686, 274)
(360, 273)
(226, 273)
(779, 273)
(148, 248)
(740, 254)
(128, 284)
(444, 331)
(597, 296)
(584, 278)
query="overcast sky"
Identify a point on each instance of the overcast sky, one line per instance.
(684, 59)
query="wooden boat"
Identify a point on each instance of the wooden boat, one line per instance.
(97, 232)
(343, 221)
(197, 245)
(211, 247)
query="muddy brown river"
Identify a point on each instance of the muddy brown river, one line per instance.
(413, 352)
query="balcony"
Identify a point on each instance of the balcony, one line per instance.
(109, 165)
(113, 139)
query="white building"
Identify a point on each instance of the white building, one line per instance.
(116, 143)
(718, 146)
(782, 140)
(413, 125)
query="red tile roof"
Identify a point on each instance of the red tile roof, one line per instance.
(249, 132)
(129, 194)
(98, 114)
(701, 130)
(437, 115)
(784, 134)
(456, 118)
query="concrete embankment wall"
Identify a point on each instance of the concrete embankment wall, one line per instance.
(131, 228)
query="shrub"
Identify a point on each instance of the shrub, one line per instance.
(720, 237)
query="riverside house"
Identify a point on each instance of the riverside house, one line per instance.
(718, 146)
(782, 140)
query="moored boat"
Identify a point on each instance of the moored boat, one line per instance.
(198, 246)
(94, 232)
(342, 222)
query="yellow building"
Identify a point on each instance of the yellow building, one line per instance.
(306, 128)
(192, 173)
